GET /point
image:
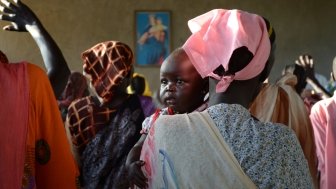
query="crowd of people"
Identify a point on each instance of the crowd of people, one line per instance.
(220, 124)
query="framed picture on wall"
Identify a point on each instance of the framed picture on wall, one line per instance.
(152, 37)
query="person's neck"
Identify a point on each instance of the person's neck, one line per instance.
(117, 100)
(242, 93)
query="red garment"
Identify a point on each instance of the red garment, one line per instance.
(34, 150)
(49, 162)
(14, 97)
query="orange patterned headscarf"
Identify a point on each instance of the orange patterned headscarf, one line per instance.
(107, 63)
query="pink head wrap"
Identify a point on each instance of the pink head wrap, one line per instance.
(216, 34)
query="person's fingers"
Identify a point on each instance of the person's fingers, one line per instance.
(9, 4)
(311, 62)
(140, 163)
(301, 58)
(14, 27)
(4, 2)
(5, 10)
(19, 3)
(9, 28)
(308, 61)
(297, 62)
(137, 173)
(7, 17)
(13, 7)
(140, 183)
(141, 176)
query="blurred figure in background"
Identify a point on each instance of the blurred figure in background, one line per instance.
(315, 82)
(323, 118)
(140, 86)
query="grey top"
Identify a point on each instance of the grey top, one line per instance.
(269, 153)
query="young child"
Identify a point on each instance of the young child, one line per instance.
(182, 91)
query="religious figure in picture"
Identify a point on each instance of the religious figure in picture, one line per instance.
(152, 42)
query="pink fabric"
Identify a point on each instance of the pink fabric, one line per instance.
(14, 96)
(216, 34)
(323, 118)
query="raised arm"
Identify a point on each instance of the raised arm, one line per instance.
(307, 63)
(23, 19)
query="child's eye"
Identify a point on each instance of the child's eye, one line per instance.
(164, 81)
(179, 82)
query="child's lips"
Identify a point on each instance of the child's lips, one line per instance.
(171, 101)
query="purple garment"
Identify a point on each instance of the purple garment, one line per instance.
(147, 105)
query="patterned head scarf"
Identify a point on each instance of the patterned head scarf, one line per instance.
(107, 63)
(3, 58)
(216, 34)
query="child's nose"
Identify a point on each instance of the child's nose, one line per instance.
(171, 86)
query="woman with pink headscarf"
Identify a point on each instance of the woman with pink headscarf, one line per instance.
(224, 146)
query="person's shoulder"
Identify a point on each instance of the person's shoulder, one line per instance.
(277, 131)
(325, 102)
(35, 70)
(278, 127)
(226, 108)
(37, 76)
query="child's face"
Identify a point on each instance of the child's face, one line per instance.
(182, 88)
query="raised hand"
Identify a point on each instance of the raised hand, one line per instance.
(307, 62)
(20, 16)
(23, 19)
(135, 174)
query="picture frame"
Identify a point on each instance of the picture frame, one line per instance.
(152, 36)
